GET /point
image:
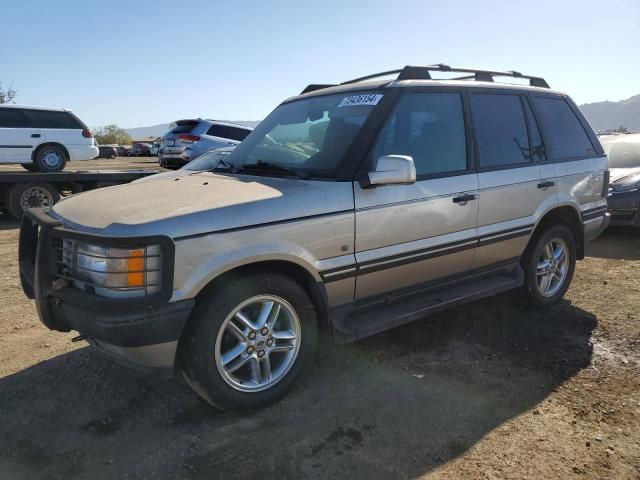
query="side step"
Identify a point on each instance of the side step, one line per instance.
(365, 321)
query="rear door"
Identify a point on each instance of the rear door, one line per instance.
(59, 127)
(407, 235)
(221, 136)
(514, 181)
(18, 137)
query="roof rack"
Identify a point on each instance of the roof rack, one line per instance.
(411, 72)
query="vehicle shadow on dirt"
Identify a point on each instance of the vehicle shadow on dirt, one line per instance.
(7, 222)
(398, 404)
(616, 243)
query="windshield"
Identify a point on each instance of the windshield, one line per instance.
(310, 136)
(623, 150)
(208, 160)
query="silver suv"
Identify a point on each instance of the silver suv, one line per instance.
(190, 138)
(351, 208)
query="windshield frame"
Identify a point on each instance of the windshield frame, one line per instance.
(355, 153)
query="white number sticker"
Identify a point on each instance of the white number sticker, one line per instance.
(371, 99)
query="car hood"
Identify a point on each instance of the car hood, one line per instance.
(617, 174)
(199, 203)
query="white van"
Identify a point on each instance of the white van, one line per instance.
(43, 139)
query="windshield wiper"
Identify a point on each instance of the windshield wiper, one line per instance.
(266, 166)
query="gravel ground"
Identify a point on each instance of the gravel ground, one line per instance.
(488, 390)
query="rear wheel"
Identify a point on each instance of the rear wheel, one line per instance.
(50, 158)
(30, 195)
(549, 265)
(249, 341)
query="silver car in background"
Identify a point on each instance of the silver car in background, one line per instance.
(190, 138)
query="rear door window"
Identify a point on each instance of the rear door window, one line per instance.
(430, 128)
(501, 129)
(13, 118)
(51, 119)
(219, 131)
(564, 132)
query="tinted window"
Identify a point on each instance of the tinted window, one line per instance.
(218, 131)
(566, 137)
(430, 128)
(501, 129)
(183, 127)
(537, 146)
(49, 119)
(238, 134)
(13, 118)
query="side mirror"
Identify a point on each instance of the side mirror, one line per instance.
(391, 170)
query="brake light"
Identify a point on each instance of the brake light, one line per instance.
(605, 184)
(188, 138)
(87, 133)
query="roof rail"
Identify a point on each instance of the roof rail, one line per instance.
(423, 73)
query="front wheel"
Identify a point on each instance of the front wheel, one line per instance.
(249, 341)
(549, 265)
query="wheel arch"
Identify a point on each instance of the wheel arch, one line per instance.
(313, 287)
(566, 215)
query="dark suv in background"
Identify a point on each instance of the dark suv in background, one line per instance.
(140, 150)
(107, 152)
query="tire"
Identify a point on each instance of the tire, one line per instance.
(30, 195)
(29, 167)
(50, 159)
(112, 156)
(208, 336)
(547, 289)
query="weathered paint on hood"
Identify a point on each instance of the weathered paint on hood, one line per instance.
(199, 203)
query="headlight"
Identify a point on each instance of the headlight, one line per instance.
(627, 184)
(113, 271)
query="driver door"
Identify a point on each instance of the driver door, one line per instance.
(407, 235)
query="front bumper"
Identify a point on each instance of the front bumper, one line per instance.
(625, 209)
(119, 322)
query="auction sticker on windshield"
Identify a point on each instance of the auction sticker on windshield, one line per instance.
(369, 99)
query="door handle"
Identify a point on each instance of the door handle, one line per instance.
(546, 184)
(463, 198)
(35, 135)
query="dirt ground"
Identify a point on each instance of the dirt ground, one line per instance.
(488, 390)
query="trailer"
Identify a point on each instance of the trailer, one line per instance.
(22, 190)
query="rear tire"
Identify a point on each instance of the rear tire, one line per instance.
(549, 263)
(50, 159)
(30, 195)
(230, 360)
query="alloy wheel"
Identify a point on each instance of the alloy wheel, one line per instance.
(258, 343)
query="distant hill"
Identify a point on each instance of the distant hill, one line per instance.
(609, 115)
(155, 131)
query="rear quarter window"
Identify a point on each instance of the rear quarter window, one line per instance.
(565, 134)
(219, 131)
(238, 134)
(51, 119)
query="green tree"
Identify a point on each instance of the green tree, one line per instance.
(7, 95)
(112, 134)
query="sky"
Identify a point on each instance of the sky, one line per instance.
(138, 62)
